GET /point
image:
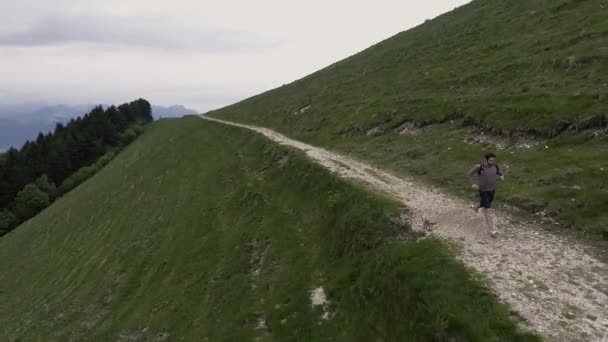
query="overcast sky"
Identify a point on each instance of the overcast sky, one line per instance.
(198, 53)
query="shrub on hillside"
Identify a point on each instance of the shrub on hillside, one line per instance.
(8, 220)
(138, 129)
(85, 173)
(128, 136)
(30, 201)
(66, 186)
(45, 185)
(106, 158)
(131, 134)
(77, 178)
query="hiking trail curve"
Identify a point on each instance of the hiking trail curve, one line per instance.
(559, 288)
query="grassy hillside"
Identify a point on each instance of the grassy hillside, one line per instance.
(526, 78)
(200, 232)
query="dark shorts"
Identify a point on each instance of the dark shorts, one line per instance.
(486, 199)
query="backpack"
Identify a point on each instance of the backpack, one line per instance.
(481, 167)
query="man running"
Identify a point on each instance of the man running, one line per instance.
(484, 177)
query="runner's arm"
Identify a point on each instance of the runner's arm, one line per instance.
(472, 175)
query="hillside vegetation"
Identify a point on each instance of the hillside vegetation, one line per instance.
(199, 231)
(45, 168)
(524, 78)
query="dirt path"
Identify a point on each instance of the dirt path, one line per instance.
(561, 290)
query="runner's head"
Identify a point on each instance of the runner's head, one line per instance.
(491, 158)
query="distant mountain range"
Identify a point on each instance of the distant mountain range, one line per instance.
(21, 122)
(171, 111)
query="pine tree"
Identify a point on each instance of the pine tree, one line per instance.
(60, 165)
(117, 118)
(28, 175)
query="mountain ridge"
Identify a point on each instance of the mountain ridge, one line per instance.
(220, 234)
(19, 123)
(522, 79)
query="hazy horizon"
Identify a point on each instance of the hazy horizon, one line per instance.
(196, 54)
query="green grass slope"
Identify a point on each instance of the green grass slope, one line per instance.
(203, 232)
(506, 71)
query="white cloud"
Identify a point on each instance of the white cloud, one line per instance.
(131, 31)
(202, 54)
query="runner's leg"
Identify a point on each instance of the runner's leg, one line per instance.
(489, 223)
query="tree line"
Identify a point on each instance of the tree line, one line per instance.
(66, 157)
